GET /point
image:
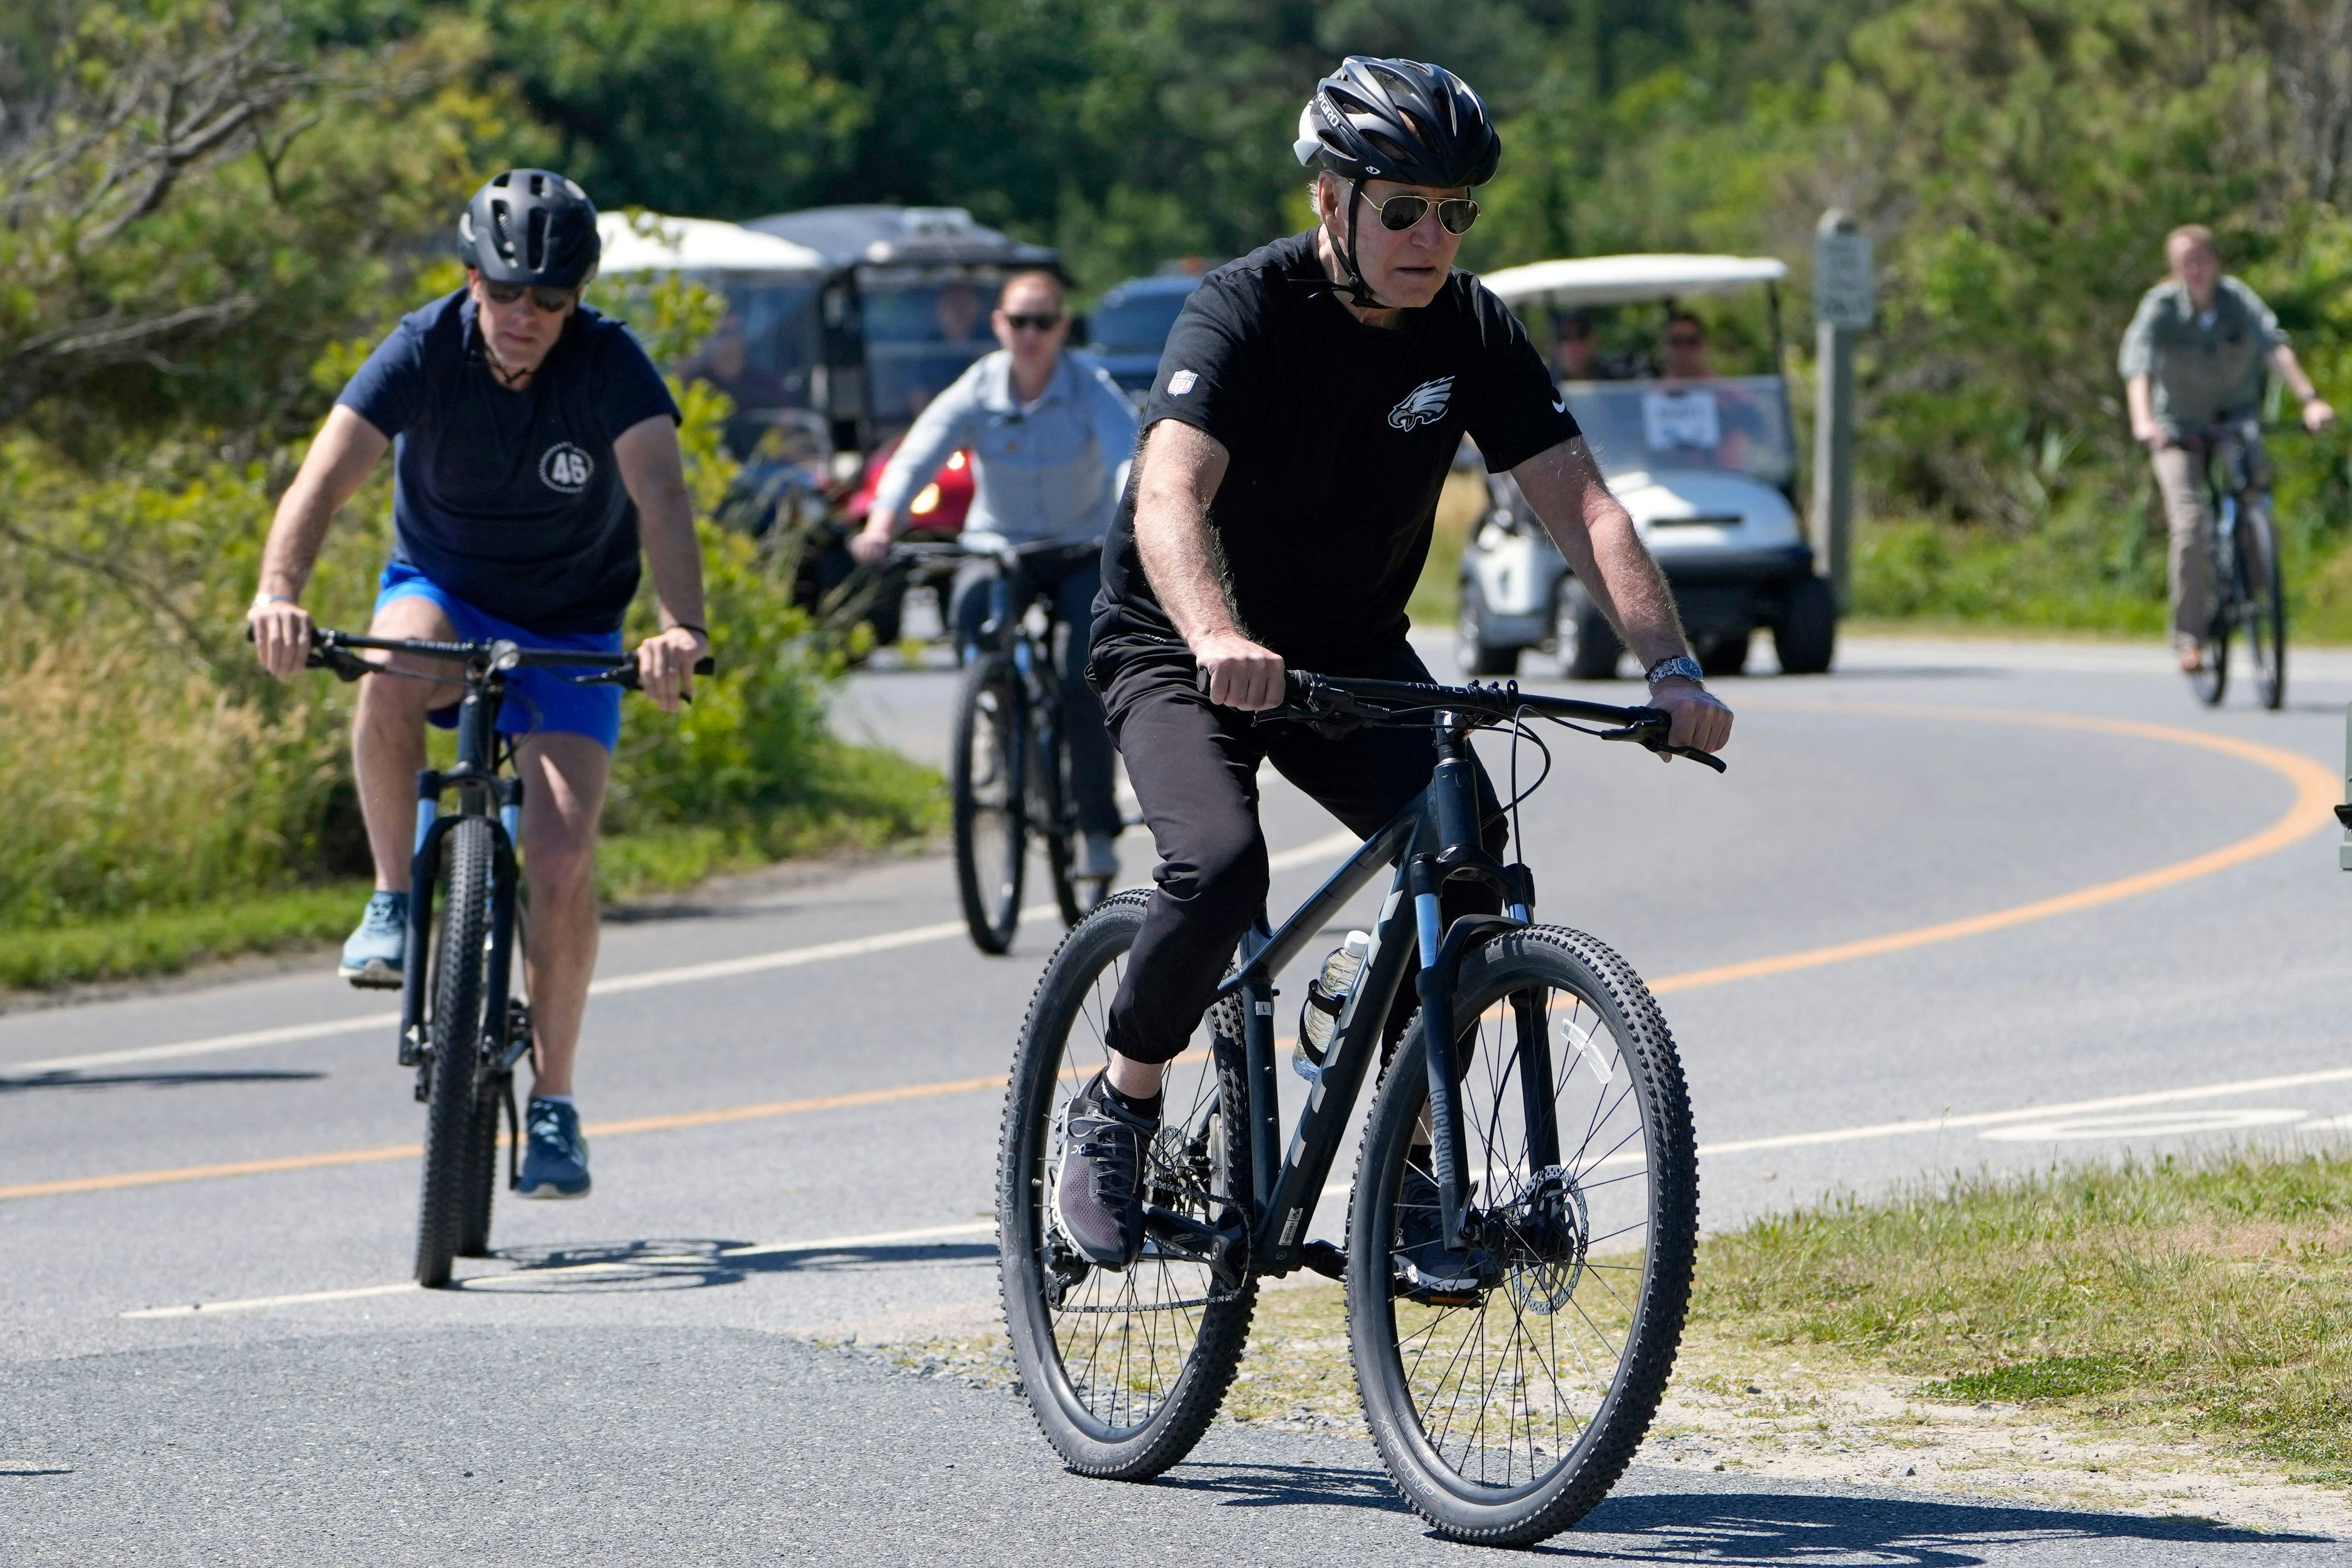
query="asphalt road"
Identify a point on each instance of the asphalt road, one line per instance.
(1961, 905)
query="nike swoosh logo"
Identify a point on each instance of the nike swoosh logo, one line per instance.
(1559, 405)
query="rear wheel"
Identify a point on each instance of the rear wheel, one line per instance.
(2210, 681)
(987, 781)
(1805, 636)
(1123, 1369)
(1507, 1400)
(2265, 597)
(482, 1167)
(455, 985)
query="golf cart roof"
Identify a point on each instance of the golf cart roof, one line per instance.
(697, 244)
(1621, 279)
(896, 236)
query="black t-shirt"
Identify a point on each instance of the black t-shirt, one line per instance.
(1339, 436)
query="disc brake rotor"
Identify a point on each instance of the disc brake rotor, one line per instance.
(1548, 1229)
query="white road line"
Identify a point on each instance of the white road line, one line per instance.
(1339, 1189)
(652, 979)
(755, 1249)
(197, 1308)
(2027, 1113)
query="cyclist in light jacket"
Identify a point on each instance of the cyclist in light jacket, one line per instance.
(1051, 436)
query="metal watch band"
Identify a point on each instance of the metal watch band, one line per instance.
(1682, 664)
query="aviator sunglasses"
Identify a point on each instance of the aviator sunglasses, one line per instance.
(546, 302)
(1034, 324)
(1399, 213)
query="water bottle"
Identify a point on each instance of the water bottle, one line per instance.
(1327, 998)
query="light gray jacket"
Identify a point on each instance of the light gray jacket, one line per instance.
(1049, 469)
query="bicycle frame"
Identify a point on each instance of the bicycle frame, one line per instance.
(1432, 841)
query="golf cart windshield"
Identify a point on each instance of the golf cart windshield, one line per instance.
(1734, 425)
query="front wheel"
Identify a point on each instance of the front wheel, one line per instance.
(2264, 593)
(455, 988)
(988, 785)
(1508, 1398)
(1123, 1368)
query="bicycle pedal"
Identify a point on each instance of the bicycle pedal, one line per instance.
(1324, 1258)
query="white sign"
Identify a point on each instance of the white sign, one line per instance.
(1846, 283)
(1671, 419)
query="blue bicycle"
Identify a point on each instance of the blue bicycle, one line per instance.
(461, 1026)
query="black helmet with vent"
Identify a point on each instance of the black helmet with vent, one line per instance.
(527, 225)
(1398, 119)
(1394, 120)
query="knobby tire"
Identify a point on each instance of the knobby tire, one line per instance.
(1187, 1354)
(454, 986)
(988, 790)
(1631, 1260)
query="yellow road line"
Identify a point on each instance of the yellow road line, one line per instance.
(2315, 792)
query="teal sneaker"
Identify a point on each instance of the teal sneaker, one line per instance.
(372, 956)
(555, 1163)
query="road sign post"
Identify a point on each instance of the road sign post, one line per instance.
(1845, 301)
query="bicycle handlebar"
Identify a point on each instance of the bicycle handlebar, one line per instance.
(331, 649)
(1347, 698)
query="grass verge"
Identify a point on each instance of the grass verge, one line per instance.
(857, 798)
(2154, 1334)
(2209, 1300)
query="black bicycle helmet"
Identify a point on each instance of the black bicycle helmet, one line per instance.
(1395, 119)
(527, 225)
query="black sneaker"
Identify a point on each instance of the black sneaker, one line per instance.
(1097, 1200)
(1426, 1270)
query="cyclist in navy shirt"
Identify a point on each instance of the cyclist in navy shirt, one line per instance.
(535, 452)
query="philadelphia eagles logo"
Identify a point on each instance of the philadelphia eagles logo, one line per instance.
(1424, 405)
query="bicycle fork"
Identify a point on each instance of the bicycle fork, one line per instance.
(1453, 797)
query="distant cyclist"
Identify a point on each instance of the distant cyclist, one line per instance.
(2194, 356)
(1307, 407)
(535, 449)
(1050, 435)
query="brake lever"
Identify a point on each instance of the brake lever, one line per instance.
(1649, 735)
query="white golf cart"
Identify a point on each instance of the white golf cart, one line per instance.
(1707, 467)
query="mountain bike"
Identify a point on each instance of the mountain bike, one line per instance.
(2248, 592)
(461, 1026)
(1009, 758)
(1533, 1117)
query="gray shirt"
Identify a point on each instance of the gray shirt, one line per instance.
(1048, 470)
(2201, 368)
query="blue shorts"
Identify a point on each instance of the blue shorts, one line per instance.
(539, 701)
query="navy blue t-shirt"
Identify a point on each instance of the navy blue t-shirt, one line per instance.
(512, 500)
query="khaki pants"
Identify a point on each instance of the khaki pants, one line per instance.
(2180, 475)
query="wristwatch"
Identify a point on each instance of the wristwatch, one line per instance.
(1682, 666)
(263, 601)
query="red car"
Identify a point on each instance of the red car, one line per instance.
(935, 512)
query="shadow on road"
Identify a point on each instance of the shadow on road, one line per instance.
(579, 1268)
(1754, 1526)
(152, 1079)
(1769, 1527)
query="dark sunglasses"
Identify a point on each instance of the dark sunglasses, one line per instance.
(1034, 324)
(1399, 213)
(1686, 340)
(547, 301)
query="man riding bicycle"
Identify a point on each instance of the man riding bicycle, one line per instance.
(535, 448)
(1307, 407)
(2193, 357)
(1050, 437)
